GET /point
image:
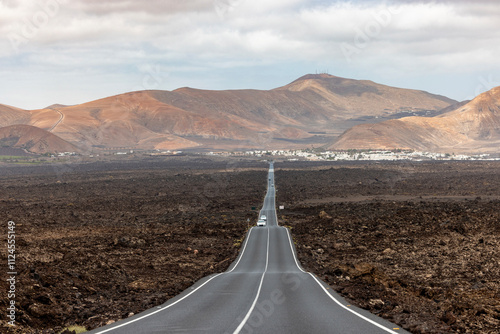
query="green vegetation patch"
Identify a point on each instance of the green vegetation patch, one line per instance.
(12, 157)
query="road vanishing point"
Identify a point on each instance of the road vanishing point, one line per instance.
(265, 290)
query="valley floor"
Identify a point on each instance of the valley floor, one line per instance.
(417, 243)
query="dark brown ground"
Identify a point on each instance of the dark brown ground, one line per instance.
(418, 244)
(94, 246)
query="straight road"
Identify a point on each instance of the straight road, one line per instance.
(264, 291)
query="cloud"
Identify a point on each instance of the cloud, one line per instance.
(405, 37)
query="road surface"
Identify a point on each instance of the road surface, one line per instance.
(264, 291)
(61, 117)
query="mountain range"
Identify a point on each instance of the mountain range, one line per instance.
(472, 127)
(311, 111)
(317, 110)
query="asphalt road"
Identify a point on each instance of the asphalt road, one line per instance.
(264, 291)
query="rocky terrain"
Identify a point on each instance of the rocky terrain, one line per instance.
(416, 243)
(100, 243)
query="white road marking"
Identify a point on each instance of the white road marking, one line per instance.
(293, 253)
(243, 251)
(238, 329)
(350, 310)
(242, 324)
(189, 294)
(159, 310)
(326, 291)
(170, 305)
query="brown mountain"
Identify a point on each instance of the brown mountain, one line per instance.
(33, 139)
(348, 97)
(473, 127)
(310, 111)
(11, 115)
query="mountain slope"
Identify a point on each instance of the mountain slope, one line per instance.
(474, 127)
(33, 139)
(286, 117)
(363, 97)
(11, 115)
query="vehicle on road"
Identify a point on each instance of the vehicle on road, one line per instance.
(263, 217)
(310, 307)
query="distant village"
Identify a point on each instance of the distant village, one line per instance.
(358, 155)
(320, 155)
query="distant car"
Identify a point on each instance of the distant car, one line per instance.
(261, 222)
(263, 217)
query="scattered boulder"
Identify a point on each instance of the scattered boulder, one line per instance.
(324, 215)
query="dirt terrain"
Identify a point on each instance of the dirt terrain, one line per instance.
(416, 243)
(99, 243)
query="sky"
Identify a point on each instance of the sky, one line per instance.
(76, 51)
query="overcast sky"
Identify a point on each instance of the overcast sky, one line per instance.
(75, 51)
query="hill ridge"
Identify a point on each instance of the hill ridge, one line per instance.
(473, 127)
(232, 119)
(33, 139)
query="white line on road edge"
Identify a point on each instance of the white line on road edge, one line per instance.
(352, 311)
(159, 310)
(293, 253)
(189, 294)
(329, 295)
(242, 252)
(242, 324)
